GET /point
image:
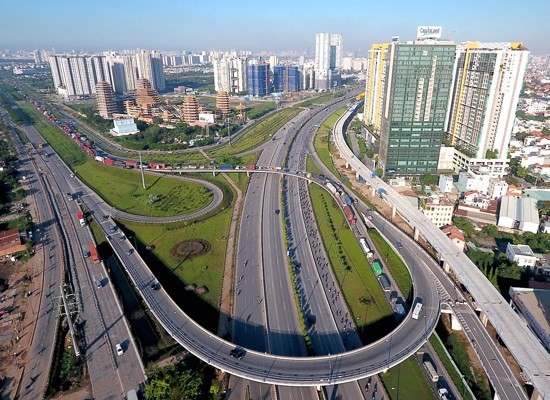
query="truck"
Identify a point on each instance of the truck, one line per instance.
(81, 218)
(384, 282)
(376, 268)
(108, 161)
(130, 163)
(99, 158)
(349, 215)
(364, 245)
(251, 167)
(331, 187)
(225, 166)
(416, 310)
(157, 165)
(93, 253)
(431, 371)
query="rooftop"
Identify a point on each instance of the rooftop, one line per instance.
(537, 303)
(521, 250)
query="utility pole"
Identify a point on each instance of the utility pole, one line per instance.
(142, 175)
(228, 130)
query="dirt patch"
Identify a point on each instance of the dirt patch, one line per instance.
(189, 249)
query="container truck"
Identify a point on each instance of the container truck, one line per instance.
(81, 218)
(416, 311)
(157, 165)
(349, 215)
(251, 167)
(93, 253)
(131, 163)
(225, 166)
(376, 267)
(99, 158)
(364, 245)
(108, 161)
(331, 187)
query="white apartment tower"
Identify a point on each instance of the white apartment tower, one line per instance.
(328, 59)
(377, 63)
(230, 74)
(487, 81)
(149, 66)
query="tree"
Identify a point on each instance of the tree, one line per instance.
(491, 154)
(489, 231)
(464, 224)
(544, 207)
(429, 179)
(158, 389)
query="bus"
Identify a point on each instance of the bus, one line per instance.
(416, 311)
(431, 371)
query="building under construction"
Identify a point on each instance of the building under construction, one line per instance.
(286, 78)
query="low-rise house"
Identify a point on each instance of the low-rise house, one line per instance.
(455, 235)
(438, 210)
(10, 242)
(521, 254)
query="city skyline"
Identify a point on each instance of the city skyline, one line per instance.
(252, 26)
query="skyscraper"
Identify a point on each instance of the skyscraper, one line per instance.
(149, 66)
(375, 83)
(286, 78)
(106, 105)
(230, 74)
(258, 79)
(417, 90)
(76, 76)
(328, 59)
(486, 85)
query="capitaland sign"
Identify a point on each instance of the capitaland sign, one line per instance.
(429, 32)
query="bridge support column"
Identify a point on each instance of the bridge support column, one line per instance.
(416, 234)
(455, 323)
(248, 174)
(373, 192)
(484, 319)
(347, 164)
(213, 173)
(536, 395)
(393, 212)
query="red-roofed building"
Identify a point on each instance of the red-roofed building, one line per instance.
(10, 242)
(513, 190)
(455, 235)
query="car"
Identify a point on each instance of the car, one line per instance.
(119, 350)
(399, 245)
(237, 352)
(105, 216)
(86, 253)
(155, 286)
(277, 211)
(98, 284)
(443, 394)
(122, 238)
(311, 320)
(129, 251)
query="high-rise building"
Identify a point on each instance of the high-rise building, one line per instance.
(230, 74)
(40, 56)
(328, 59)
(258, 81)
(375, 83)
(286, 78)
(308, 77)
(417, 90)
(76, 76)
(106, 104)
(487, 82)
(130, 71)
(149, 66)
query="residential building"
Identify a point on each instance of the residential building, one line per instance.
(456, 235)
(230, 74)
(497, 189)
(123, 125)
(328, 60)
(106, 104)
(487, 81)
(470, 181)
(521, 254)
(10, 242)
(308, 77)
(438, 210)
(149, 66)
(258, 81)
(532, 305)
(519, 213)
(375, 84)
(286, 78)
(416, 94)
(446, 183)
(75, 77)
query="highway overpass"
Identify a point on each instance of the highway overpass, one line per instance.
(532, 357)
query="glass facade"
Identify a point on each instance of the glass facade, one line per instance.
(258, 80)
(412, 128)
(286, 78)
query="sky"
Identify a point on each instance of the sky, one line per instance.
(256, 25)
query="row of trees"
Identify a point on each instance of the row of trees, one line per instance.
(9, 184)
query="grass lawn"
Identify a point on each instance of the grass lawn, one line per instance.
(394, 264)
(321, 99)
(321, 142)
(406, 381)
(455, 376)
(311, 167)
(122, 188)
(204, 270)
(258, 134)
(241, 180)
(359, 285)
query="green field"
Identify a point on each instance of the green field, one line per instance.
(321, 99)
(360, 288)
(311, 166)
(257, 135)
(321, 142)
(122, 188)
(204, 270)
(393, 262)
(406, 381)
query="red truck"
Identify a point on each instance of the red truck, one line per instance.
(157, 165)
(349, 215)
(131, 163)
(250, 167)
(81, 218)
(108, 161)
(93, 253)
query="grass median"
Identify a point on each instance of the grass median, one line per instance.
(360, 288)
(322, 141)
(406, 381)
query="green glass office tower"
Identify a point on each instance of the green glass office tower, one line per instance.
(416, 96)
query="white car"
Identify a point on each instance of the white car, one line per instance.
(119, 350)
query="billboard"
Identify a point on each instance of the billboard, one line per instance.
(395, 39)
(206, 117)
(429, 32)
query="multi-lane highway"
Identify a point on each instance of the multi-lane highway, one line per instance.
(533, 359)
